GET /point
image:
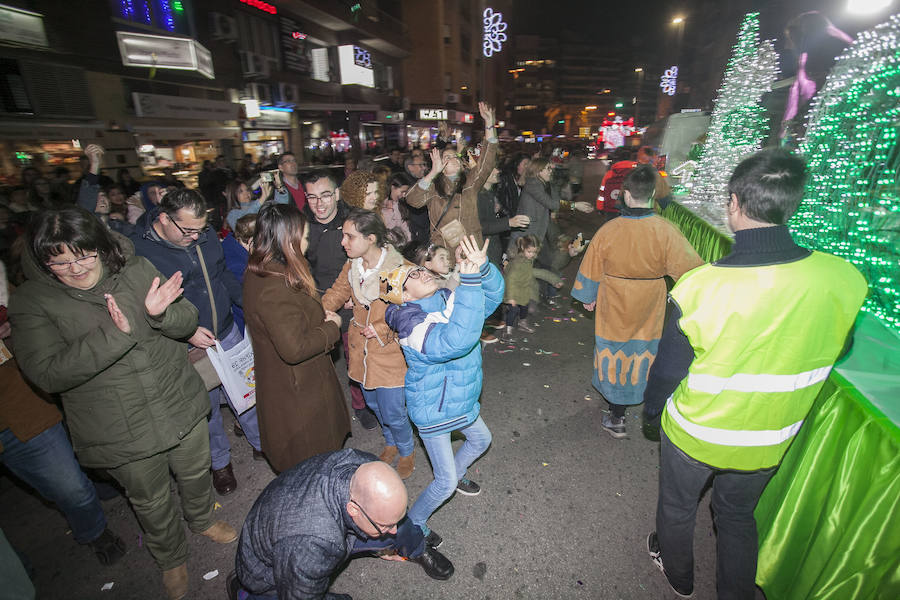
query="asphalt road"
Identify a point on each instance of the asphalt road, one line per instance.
(564, 512)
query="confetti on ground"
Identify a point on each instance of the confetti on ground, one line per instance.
(217, 506)
(557, 320)
(211, 575)
(546, 386)
(618, 494)
(545, 464)
(554, 354)
(526, 364)
(503, 351)
(587, 397)
(108, 586)
(579, 583)
(581, 343)
(573, 319)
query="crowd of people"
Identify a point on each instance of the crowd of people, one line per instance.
(118, 290)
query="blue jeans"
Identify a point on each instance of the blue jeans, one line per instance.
(47, 463)
(682, 480)
(389, 405)
(219, 446)
(408, 542)
(448, 469)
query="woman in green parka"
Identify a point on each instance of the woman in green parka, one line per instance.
(102, 328)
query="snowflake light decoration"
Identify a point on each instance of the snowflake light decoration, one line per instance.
(494, 32)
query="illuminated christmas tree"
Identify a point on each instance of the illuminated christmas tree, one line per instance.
(851, 204)
(738, 123)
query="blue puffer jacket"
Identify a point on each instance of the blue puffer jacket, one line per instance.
(440, 339)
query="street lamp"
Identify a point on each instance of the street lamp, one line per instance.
(677, 20)
(867, 7)
(638, 70)
(637, 96)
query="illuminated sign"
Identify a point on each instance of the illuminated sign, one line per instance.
(263, 6)
(22, 26)
(361, 57)
(164, 52)
(351, 71)
(432, 114)
(669, 81)
(494, 32)
(298, 36)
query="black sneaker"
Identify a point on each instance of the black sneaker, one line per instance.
(433, 540)
(468, 487)
(656, 559)
(366, 418)
(108, 548)
(435, 564)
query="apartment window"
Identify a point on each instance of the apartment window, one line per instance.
(259, 36)
(465, 47)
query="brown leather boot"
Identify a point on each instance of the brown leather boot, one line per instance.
(388, 454)
(176, 582)
(221, 533)
(405, 465)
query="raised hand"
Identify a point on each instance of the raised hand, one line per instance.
(159, 297)
(487, 113)
(118, 317)
(95, 156)
(265, 189)
(437, 164)
(472, 252)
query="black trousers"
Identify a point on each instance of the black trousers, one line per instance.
(734, 496)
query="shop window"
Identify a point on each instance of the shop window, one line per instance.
(162, 15)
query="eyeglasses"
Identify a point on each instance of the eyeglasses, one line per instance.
(187, 232)
(85, 261)
(380, 531)
(324, 196)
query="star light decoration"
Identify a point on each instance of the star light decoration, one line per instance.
(494, 32)
(738, 123)
(851, 204)
(669, 81)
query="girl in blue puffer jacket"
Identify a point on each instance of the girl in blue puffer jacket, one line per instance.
(439, 332)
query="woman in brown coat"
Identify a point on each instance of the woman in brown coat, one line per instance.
(299, 401)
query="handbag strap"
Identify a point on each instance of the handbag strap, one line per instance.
(444, 214)
(212, 303)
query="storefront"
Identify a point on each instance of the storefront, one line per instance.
(267, 135)
(422, 129)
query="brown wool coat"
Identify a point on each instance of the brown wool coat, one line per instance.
(299, 401)
(376, 362)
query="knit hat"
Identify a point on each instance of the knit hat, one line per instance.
(353, 190)
(392, 282)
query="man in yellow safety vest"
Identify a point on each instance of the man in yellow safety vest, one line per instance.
(749, 342)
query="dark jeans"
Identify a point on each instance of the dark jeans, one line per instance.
(47, 463)
(408, 541)
(734, 496)
(514, 313)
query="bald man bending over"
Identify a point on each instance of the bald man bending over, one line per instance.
(310, 519)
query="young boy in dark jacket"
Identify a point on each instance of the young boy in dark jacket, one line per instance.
(439, 332)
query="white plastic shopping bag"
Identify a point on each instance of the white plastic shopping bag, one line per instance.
(235, 369)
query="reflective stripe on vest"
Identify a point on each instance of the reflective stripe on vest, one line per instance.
(743, 382)
(731, 437)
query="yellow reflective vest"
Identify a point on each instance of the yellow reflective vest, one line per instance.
(764, 339)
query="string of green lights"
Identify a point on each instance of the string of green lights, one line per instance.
(851, 205)
(738, 123)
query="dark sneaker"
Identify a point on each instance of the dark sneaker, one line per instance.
(435, 564)
(614, 426)
(468, 487)
(656, 559)
(433, 540)
(108, 548)
(366, 418)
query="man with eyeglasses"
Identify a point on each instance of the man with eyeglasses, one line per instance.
(177, 240)
(326, 259)
(313, 517)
